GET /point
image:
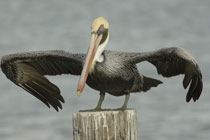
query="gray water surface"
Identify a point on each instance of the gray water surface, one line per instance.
(138, 25)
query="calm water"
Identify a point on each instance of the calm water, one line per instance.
(29, 25)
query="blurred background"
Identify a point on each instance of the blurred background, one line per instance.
(136, 26)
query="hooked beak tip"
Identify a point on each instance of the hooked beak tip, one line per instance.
(78, 93)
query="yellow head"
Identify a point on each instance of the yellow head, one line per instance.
(98, 23)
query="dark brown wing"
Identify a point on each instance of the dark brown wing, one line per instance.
(174, 61)
(27, 70)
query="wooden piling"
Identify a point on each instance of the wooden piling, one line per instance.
(105, 125)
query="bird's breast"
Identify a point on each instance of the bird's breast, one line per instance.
(111, 77)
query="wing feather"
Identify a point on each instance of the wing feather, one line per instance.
(27, 70)
(175, 61)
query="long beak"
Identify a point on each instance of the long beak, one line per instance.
(94, 43)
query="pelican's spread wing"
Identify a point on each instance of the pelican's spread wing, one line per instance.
(27, 70)
(174, 61)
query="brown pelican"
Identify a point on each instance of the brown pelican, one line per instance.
(110, 72)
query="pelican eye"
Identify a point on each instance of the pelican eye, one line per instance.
(102, 31)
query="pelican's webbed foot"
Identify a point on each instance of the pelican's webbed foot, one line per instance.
(101, 99)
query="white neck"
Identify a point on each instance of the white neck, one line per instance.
(98, 56)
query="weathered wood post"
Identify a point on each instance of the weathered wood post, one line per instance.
(105, 125)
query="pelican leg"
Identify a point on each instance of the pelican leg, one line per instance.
(124, 106)
(98, 107)
(100, 101)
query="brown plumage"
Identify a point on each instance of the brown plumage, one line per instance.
(110, 72)
(27, 70)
